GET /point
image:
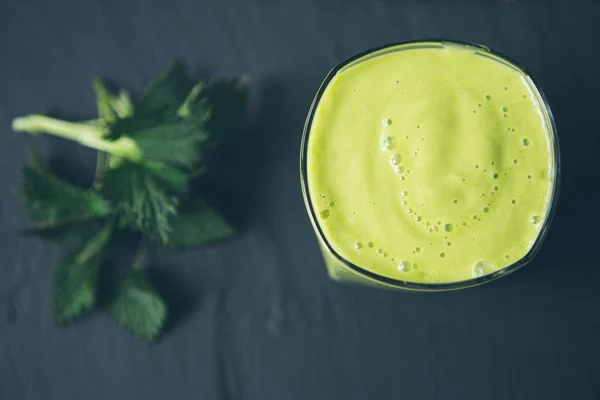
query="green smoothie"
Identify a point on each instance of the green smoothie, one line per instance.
(431, 164)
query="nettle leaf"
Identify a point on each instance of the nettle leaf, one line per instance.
(75, 287)
(174, 142)
(165, 94)
(72, 232)
(196, 224)
(104, 99)
(161, 100)
(145, 197)
(137, 306)
(48, 198)
(76, 277)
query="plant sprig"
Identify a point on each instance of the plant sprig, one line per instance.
(147, 154)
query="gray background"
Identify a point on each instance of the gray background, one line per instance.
(257, 317)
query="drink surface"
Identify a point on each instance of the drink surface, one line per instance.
(430, 165)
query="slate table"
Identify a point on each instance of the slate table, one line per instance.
(257, 317)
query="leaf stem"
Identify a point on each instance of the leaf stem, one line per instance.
(101, 166)
(85, 134)
(40, 226)
(140, 256)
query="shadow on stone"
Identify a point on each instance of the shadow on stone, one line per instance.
(234, 176)
(182, 297)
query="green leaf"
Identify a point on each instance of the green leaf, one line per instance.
(160, 134)
(122, 104)
(196, 104)
(48, 198)
(196, 224)
(136, 305)
(104, 98)
(174, 142)
(227, 100)
(165, 94)
(161, 100)
(145, 197)
(76, 277)
(72, 232)
(75, 287)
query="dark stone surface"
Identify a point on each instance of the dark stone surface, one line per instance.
(257, 318)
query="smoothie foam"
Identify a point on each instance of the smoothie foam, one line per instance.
(430, 165)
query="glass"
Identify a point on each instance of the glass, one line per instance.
(342, 270)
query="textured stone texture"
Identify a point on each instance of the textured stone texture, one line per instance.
(257, 318)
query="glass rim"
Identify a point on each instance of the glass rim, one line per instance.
(420, 286)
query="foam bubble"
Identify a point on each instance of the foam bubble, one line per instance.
(325, 214)
(358, 245)
(483, 267)
(535, 219)
(396, 159)
(370, 244)
(448, 227)
(404, 193)
(486, 210)
(525, 142)
(388, 143)
(386, 121)
(404, 266)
